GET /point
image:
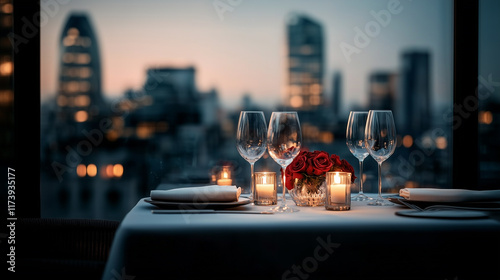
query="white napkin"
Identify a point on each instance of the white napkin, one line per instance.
(212, 193)
(448, 195)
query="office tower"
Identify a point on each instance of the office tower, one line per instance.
(414, 108)
(382, 90)
(305, 63)
(337, 93)
(79, 97)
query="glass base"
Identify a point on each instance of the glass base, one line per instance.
(361, 197)
(381, 202)
(284, 209)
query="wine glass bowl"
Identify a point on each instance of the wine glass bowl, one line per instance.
(284, 139)
(355, 140)
(251, 138)
(380, 141)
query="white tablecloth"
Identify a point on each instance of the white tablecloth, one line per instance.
(311, 244)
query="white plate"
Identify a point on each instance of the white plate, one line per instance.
(195, 205)
(444, 214)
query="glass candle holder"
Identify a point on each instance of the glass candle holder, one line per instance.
(338, 191)
(265, 188)
(225, 177)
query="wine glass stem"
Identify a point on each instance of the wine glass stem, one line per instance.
(360, 177)
(252, 186)
(380, 180)
(283, 199)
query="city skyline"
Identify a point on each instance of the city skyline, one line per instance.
(249, 66)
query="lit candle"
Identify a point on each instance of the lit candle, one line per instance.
(264, 190)
(224, 181)
(337, 190)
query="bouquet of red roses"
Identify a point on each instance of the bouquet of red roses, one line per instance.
(311, 168)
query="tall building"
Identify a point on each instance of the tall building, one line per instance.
(414, 108)
(337, 93)
(79, 97)
(382, 90)
(305, 63)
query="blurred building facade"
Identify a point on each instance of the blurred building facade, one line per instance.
(305, 63)
(414, 108)
(382, 88)
(79, 97)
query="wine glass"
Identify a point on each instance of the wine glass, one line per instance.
(284, 139)
(251, 140)
(355, 140)
(380, 141)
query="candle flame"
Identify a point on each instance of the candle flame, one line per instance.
(336, 178)
(264, 180)
(224, 175)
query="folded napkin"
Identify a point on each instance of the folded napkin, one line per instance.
(449, 195)
(212, 193)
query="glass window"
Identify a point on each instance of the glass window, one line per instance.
(163, 91)
(488, 89)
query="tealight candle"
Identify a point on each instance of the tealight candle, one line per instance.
(338, 191)
(224, 181)
(225, 177)
(265, 188)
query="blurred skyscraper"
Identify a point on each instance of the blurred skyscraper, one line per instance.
(79, 97)
(382, 87)
(414, 108)
(337, 93)
(305, 63)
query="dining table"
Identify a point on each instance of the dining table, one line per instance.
(246, 242)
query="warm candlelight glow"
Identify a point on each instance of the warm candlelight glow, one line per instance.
(225, 177)
(338, 191)
(265, 188)
(336, 178)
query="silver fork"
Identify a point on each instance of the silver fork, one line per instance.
(409, 205)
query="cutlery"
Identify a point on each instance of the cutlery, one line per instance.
(208, 211)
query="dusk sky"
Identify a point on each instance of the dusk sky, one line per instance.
(242, 49)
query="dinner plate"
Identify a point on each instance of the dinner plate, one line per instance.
(444, 214)
(422, 204)
(195, 205)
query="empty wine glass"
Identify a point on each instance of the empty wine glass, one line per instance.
(251, 140)
(284, 139)
(380, 141)
(355, 140)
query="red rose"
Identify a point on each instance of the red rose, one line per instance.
(346, 167)
(335, 160)
(294, 170)
(319, 164)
